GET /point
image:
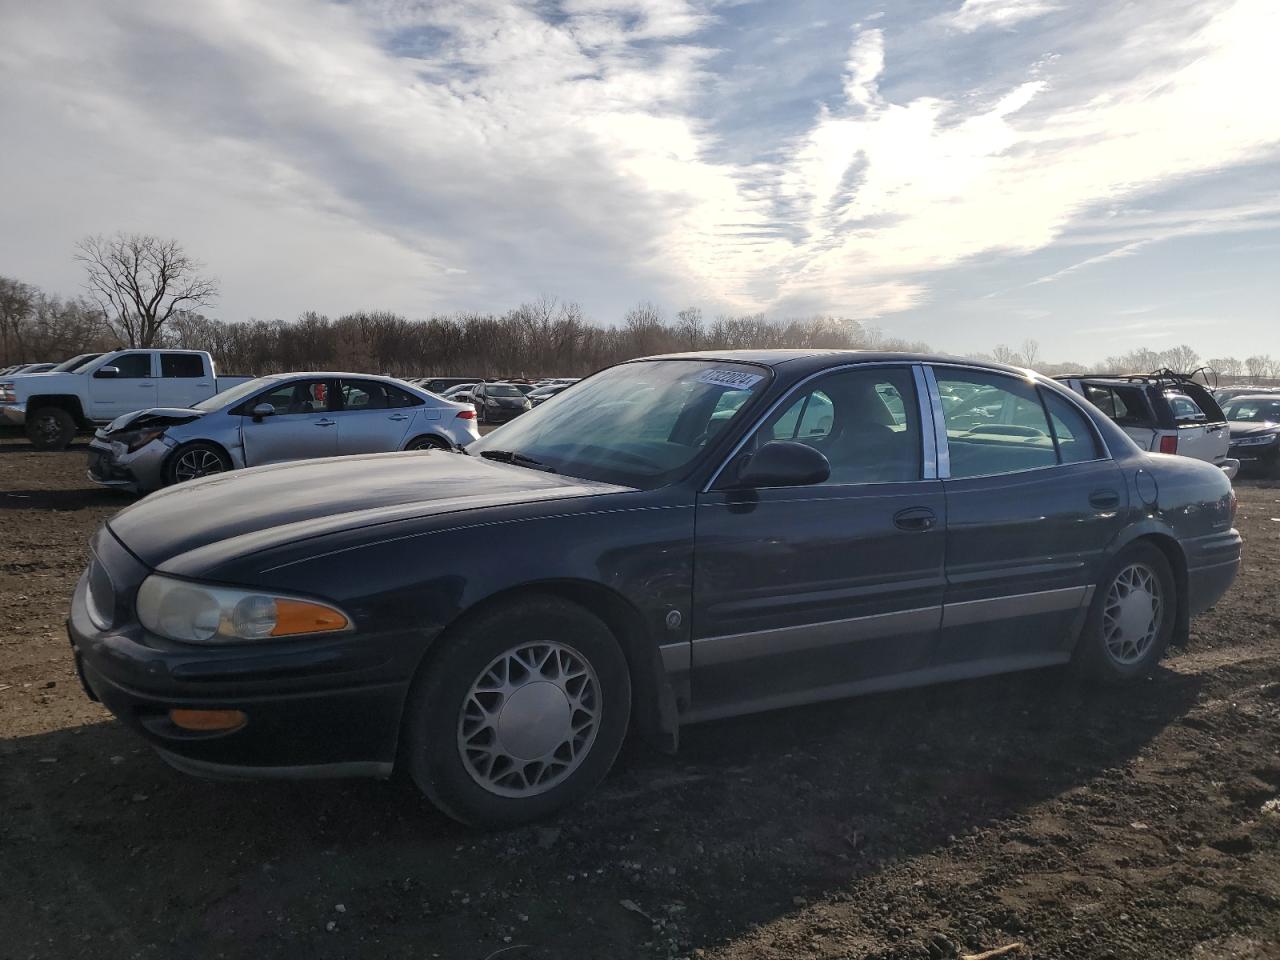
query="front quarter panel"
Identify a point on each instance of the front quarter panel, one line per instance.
(418, 577)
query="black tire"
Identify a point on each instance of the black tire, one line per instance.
(1098, 660)
(428, 443)
(434, 720)
(175, 468)
(50, 428)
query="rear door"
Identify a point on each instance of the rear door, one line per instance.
(133, 387)
(374, 417)
(302, 428)
(185, 379)
(816, 591)
(1032, 502)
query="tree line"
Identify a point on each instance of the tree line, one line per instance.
(145, 291)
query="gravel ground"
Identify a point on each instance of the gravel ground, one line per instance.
(1127, 823)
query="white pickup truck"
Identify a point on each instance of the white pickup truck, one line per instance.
(52, 407)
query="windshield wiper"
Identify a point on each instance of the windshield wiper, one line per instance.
(519, 459)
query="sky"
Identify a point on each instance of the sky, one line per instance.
(1098, 177)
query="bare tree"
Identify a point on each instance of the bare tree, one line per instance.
(17, 304)
(1181, 358)
(1005, 354)
(139, 281)
(1259, 366)
(1030, 352)
(689, 326)
(1227, 366)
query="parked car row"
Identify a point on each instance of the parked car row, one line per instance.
(672, 540)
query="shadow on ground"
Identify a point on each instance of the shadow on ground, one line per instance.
(117, 855)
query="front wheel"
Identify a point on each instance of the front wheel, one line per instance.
(193, 461)
(520, 713)
(51, 428)
(1131, 618)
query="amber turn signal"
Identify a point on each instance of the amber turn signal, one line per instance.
(206, 721)
(298, 616)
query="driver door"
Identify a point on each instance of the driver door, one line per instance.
(812, 592)
(303, 426)
(133, 388)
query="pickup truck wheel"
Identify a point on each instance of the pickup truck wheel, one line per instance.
(51, 428)
(519, 713)
(195, 460)
(1131, 618)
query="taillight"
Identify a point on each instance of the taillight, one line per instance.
(468, 414)
(1169, 444)
(1235, 505)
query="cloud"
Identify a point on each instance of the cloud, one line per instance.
(977, 14)
(421, 154)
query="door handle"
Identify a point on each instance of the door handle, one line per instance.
(326, 423)
(144, 386)
(915, 519)
(1104, 499)
(397, 416)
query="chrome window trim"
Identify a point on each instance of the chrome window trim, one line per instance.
(751, 431)
(938, 417)
(924, 399)
(944, 449)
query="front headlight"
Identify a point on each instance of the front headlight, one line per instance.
(202, 613)
(142, 438)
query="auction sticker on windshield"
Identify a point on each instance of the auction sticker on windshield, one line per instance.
(734, 379)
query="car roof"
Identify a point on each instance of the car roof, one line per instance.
(817, 359)
(1254, 396)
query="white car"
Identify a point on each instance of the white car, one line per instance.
(1163, 413)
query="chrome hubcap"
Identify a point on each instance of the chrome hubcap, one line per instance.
(1133, 614)
(529, 719)
(197, 463)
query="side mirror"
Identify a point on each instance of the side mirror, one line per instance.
(263, 410)
(106, 373)
(784, 463)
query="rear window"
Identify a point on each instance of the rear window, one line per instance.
(1185, 409)
(184, 365)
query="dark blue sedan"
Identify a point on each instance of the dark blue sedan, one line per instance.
(673, 540)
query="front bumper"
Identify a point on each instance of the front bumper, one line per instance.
(112, 465)
(501, 414)
(1256, 453)
(14, 414)
(320, 707)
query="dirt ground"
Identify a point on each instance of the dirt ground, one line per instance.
(1131, 823)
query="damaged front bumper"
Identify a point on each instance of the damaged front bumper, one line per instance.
(112, 464)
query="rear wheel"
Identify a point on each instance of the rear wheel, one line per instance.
(428, 443)
(193, 461)
(521, 712)
(1131, 618)
(51, 428)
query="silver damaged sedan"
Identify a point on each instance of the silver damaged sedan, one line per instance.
(296, 416)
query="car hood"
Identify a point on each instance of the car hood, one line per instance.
(153, 417)
(199, 524)
(1249, 428)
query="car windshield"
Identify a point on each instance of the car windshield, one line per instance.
(1254, 411)
(75, 363)
(233, 394)
(639, 424)
(502, 390)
